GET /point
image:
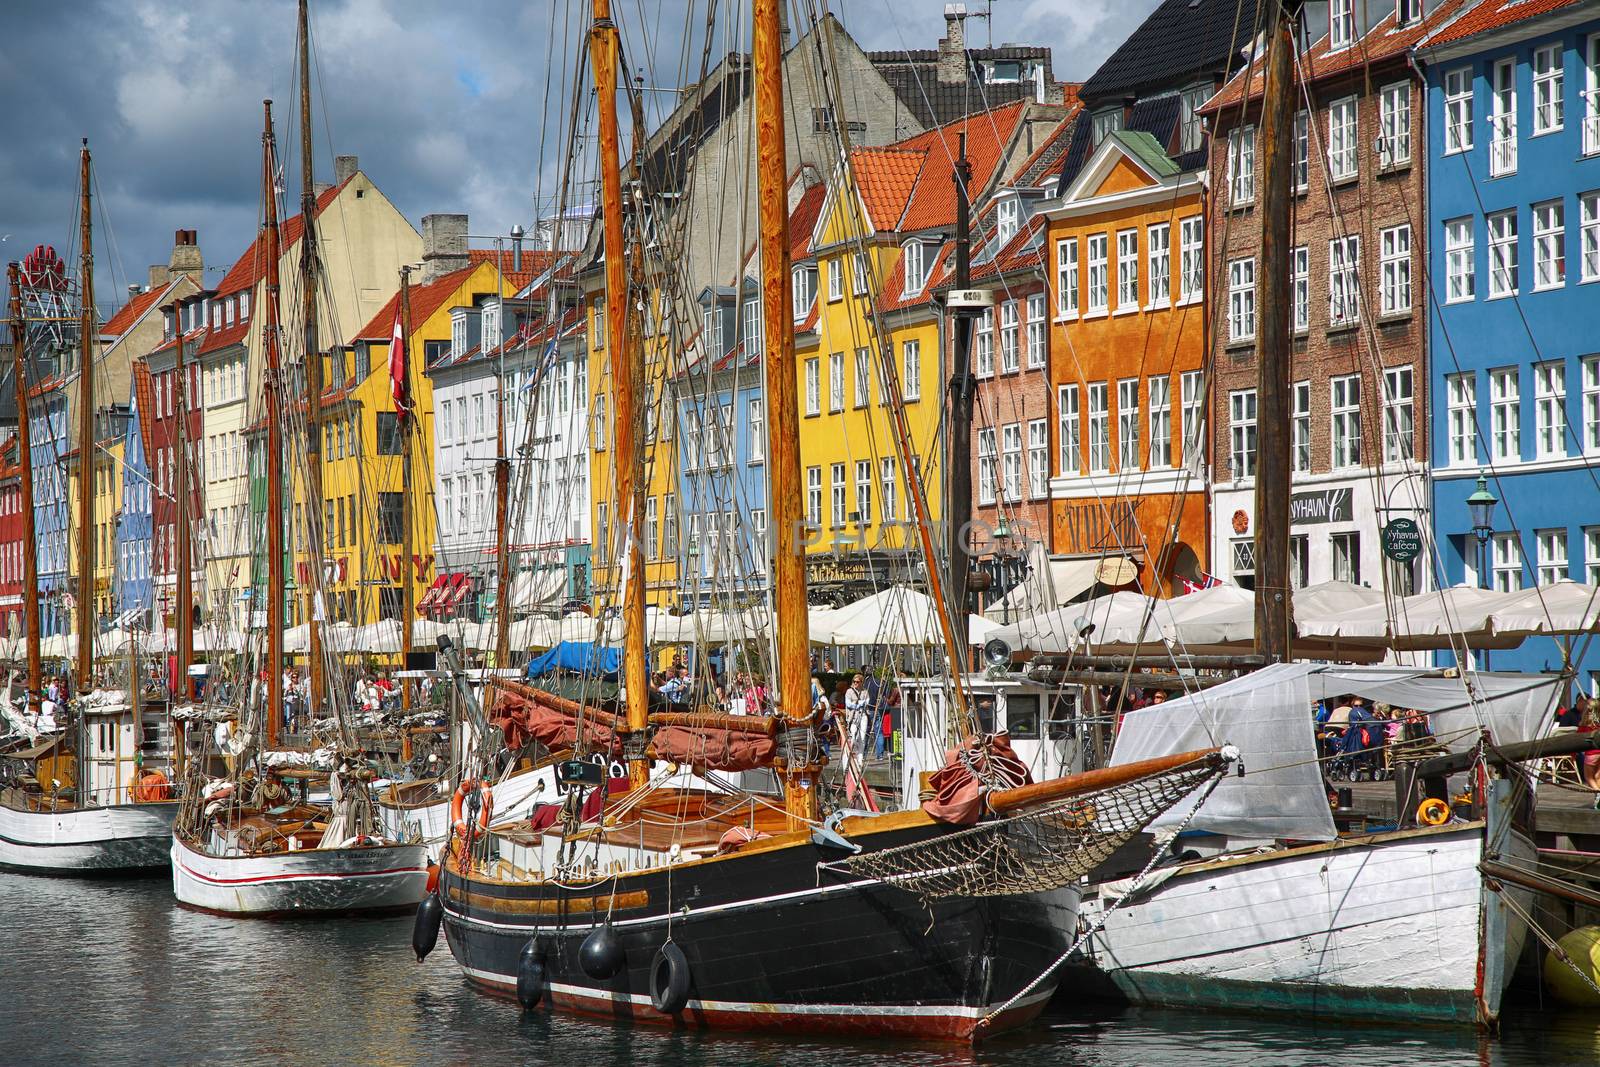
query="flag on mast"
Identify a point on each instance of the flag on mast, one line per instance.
(399, 380)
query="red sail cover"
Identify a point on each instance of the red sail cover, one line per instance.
(714, 750)
(520, 719)
(958, 791)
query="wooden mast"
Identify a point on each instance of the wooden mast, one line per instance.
(800, 766)
(313, 371)
(30, 544)
(273, 396)
(182, 523)
(87, 328)
(626, 379)
(1273, 614)
(408, 593)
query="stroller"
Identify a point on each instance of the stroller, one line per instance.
(1360, 752)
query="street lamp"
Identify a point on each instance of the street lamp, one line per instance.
(1481, 505)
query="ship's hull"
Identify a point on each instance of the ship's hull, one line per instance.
(1398, 926)
(772, 942)
(95, 840)
(306, 882)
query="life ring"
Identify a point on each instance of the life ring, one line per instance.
(485, 805)
(150, 788)
(1433, 812)
(669, 980)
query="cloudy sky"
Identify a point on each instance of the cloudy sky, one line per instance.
(450, 106)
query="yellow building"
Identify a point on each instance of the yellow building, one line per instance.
(107, 467)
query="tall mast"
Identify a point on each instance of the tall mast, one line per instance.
(408, 595)
(30, 545)
(626, 382)
(272, 390)
(799, 768)
(1274, 616)
(502, 532)
(313, 369)
(87, 329)
(958, 504)
(183, 523)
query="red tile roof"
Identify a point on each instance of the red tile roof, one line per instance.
(1494, 15)
(144, 400)
(425, 300)
(803, 220)
(886, 177)
(129, 313)
(534, 263)
(933, 201)
(250, 268)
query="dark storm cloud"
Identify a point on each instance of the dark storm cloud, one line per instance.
(451, 106)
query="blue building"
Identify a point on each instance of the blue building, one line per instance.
(721, 462)
(136, 523)
(1514, 261)
(52, 530)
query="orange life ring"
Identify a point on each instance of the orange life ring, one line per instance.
(485, 805)
(150, 788)
(1433, 812)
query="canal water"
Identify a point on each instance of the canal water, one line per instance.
(116, 973)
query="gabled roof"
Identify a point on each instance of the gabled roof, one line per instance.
(1040, 167)
(131, 312)
(425, 300)
(933, 200)
(251, 267)
(534, 263)
(803, 220)
(1181, 42)
(144, 405)
(885, 178)
(1495, 15)
(913, 74)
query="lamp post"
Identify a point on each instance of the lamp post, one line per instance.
(1002, 537)
(1481, 505)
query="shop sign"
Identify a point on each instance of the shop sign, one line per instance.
(1402, 540)
(1329, 505)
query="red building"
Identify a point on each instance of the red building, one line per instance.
(11, 529)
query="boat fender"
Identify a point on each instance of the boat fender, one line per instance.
(530, 975)
(433, 878)
(425, 931)
(601, 954)
(1433, 812)
(669, 980)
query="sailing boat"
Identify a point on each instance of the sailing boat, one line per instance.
(257, 841)
(690, 907)
(73, 798)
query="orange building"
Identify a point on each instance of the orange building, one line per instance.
(1126, 257)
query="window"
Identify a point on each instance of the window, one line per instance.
(1549, 245)
(1549, 394)
(1457, 110)
(1067, 277)
(1010, 337)
(1007, 213)
(805, 291)
(1193, 263)
(1502, 253)
(1160, 422)
(1127, 270)
(1242, 300)
(461, 421)
(1407, 11)
(1399, 415)
(916, 267)
(1243, 551)
(1099, 293)
(1591, 555)
(1067, 430)
(753, 334)
(1459, 268)
(1190, 397)
(1242, 433)
(1105, 122)
(651, 521)
(1346, 413)
(1547, 81)
(840, 495)
(480, 425)
(1394, 270)
(391, 518)
(1192, 132)
(1039, 458)
(388, 433)
(1589, 235)
(813, 387)
(669, 536)
(1505, 414)
(1159, 254)
(835, 279)
(858, 274)
(836, 382)
(864, 491)
(1302, 151)
(1128, 424)
(1552, 547)
(863, 377)
(1346, 557)
(889, 484)
(1344, 288)
(983, 344)
(986, 467)
(1503, 120)
(1036, 331)
(1341, 23)
(911, 375)
(1591, 404)
(1342, 136)
(1591, 95)
(1242, 166)
(1394, 124)
(757, 422)
(1461, 404)
(1507, 565)
(1011, 460)
(1099, 429)
(1300, 428)
(1300, 280)
(814, 497)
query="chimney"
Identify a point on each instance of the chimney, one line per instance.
(186, 258)
(444, 245)
(517, 233)
(344, 168)
(953, 46)
(160, 274)
(321, 187)
(134, 290)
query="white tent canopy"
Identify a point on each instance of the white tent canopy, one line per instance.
(1053, 583)
(898, 615)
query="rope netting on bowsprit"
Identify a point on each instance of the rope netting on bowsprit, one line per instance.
(1036, 850)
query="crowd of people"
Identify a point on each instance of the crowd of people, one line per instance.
(1354, 737)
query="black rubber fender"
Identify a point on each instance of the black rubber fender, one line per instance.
(530, 974)
(669, 980)
(425, 931)
(601, 955)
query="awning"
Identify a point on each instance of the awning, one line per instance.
(1054, 582)
(460, 587)
(536, 590)
(435, 592)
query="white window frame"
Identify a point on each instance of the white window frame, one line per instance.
(835, 382)
(914, 254)
(1127, 271)
(1038, 336)
(1506, 562)
(1099, 275)
(1461, 402)
(1192, 260)
(1394, 125)
(1549, 412)
(1589, 237)
(803, 291)
(1591, 95)
(1159, 388)
(1010, 336)
(1099, 428)
(911, 375)
(1589, 429)
(864, 492)
(1399, 414)
(1069, 447)
(1344, 417)
(1549, 245)
(1460, 266)
(1008, 217)
(1067, 278)
(840, 495)
(1300, 287)
(1551, 548)
(1300, 428)
(1501, 230)
(835, 279)
(1344, 281)
(1341, 24)
(1394, 270)
(1302, 151)
(1505, 414)
(1549, 79)
(1243, 432)
(858, 273)
(987, 487)
(1344, 125)
(1242, 300)
(813, 498)
(813, 386)
(1591, 555)
(863, 381)
(756, 428)
(1503, 118)
(1158, 258)
(983, 344)
(1241, 174)
(1458, 110)
(1128, 424)
(1038, 458)
(1011, 461)
(888, 486)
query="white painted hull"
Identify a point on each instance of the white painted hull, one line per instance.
(1367, 928)
(514, 798)
(312, 881)
(95, 840)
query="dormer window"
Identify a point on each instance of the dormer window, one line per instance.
(1192, 131)
(1407, 11)
(711, 320)
(458, 333)
(804, 280)
(916, 267)
(227, 312)
(244, 305)
(1105, 122)
(491, 326)
(1007, 218)
(216, 315)
(169, 323)
(1341, 23)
